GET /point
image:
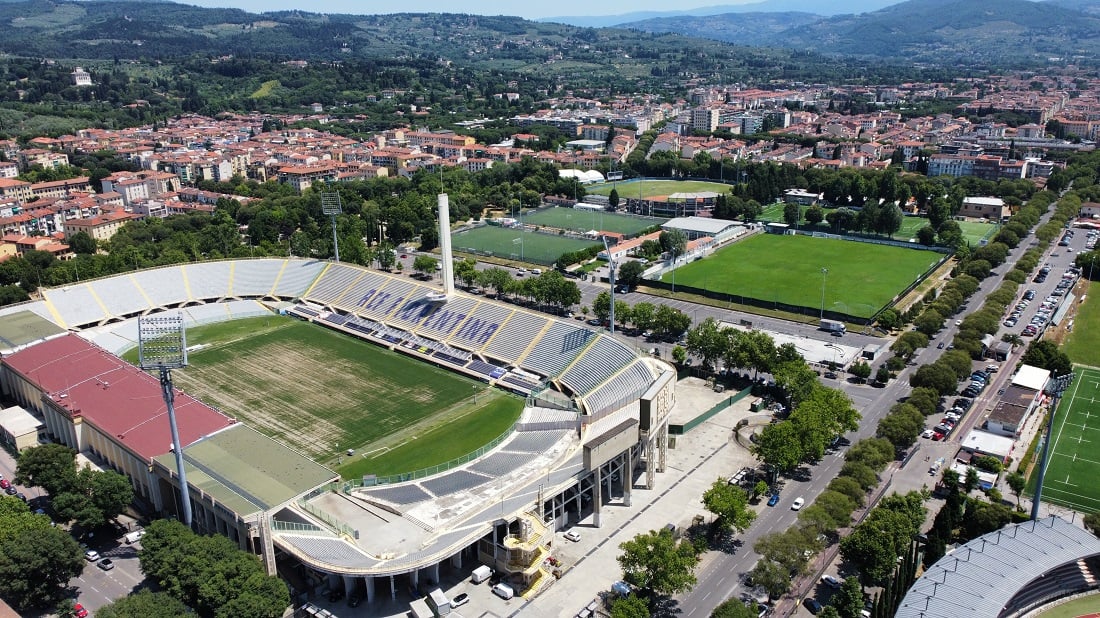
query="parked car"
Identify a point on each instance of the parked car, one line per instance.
(80, 611)
(460, 599)
(937, 436)
(504, 591)
(91, 555)
(927, 433)
(813, 605)
(831, 581)
(573, 535)
(773, 499)
(105, 564)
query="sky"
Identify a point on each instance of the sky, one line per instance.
(528, 10)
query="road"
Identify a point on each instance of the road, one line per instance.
(719, 578)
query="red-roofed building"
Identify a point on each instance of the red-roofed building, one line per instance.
(96, 403)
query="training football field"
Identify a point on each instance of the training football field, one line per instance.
(580, 220)
(1075, 447)
(770, 268)
(511, 244)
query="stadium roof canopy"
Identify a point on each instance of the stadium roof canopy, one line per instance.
(982, 577)
(583, 177)
(23, 328)
(248, 472)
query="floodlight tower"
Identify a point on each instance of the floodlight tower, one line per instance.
(330, 205)
(1055, 388)
(162, 345)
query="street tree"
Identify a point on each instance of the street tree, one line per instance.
(656, 562)
(496, 279)
(145, 604)
(630, 274)
(756, 349)
(424, 265)
(848, 601)
(731, 506)
(875, 452)
(1016, 482)
(467, 272)
(882, 375)
(734, 608)
(773, 577)
(50, 466)
(37, 560)
(673, 241)
(871, 548)
(849, 487)
(787, 548)
(601, 306)
(861, 371)
(642, 316)
(837, 506)
(860, 473)
(94, 498)
(708, 342)
(780, 446)
(670, 323)
(936, 377)
(622, 312)
(825, 414)
(385, 256)
(924, 399)
(630, 606)
(796, 379)
(901, 426)
(760, 488)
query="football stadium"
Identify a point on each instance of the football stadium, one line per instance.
(593, 424)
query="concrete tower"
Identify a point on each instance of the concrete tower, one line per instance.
(445, 245)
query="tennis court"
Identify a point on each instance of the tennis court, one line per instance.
(1075, 451)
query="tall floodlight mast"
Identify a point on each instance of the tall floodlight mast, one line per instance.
(330, 205)
(162, 345)
(611, 279)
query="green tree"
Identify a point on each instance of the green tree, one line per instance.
(708, 341)
(94, 498)
(792, 213)
(424, 265)
(773, 577)
(1016, 482)
(145, 604)
(466, 272)
(37, 560)
(82, 244)
(1092, 523)
(496, 279)
(386, 257)
(1045, 354)
(734, 608)
(601, 306)
(861, 371)
(780, 446)
(50, 466)
(642, 315)
(613, 198)
(656, 562)
(882, 375)
(730, 504)
(630, 273)
(760, 489)
(673, 241)
(630, 606)
(814, 214)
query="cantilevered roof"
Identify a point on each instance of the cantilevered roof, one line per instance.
(248, 472)
(19, 329)
(981, 577)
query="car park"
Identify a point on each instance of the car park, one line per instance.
(797, 504)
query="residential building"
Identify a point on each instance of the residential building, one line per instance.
(81, 77)
(991, 208)
(101, 227)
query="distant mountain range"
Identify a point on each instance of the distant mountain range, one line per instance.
(820, 8)
(916, 30)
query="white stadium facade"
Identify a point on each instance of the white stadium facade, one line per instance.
(596, 417)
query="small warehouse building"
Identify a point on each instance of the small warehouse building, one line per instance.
(21, 429)
(698, 227)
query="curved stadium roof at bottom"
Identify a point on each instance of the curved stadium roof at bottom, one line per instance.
(1007, 573)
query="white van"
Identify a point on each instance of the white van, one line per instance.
(481, 574)
(504, 591)
(134, 536)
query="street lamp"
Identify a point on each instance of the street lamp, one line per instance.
(824, 272)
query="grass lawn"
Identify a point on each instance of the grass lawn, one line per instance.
(320, 391)
(862, 277)
(973, 231)
(1083, 343)
(1074, 461)
(495, 413)
(584, 220)
(503, 242)
(1084, 606)
(651, 188)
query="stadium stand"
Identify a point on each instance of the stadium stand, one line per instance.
(361, 290)
(121, 296)
(442, 320)
(76, 304)
(453, 482)
(629, 384)
(164, 287)
(255, 278)
(606, 357)
(398, 494)
(333, 282)
(515, 335)
(296, 277)
(481, 326)
(384, 302)
(557, 348)
(329, 550)
(209, 280)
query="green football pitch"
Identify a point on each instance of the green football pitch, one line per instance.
(770, 268)
(323, 392)
(973, 231)
(653, 188)
(1075, 447)
(512, 244)
(584, 220)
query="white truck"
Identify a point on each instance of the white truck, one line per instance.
(833, 326)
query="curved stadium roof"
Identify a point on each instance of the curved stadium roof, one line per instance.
(982, 577)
